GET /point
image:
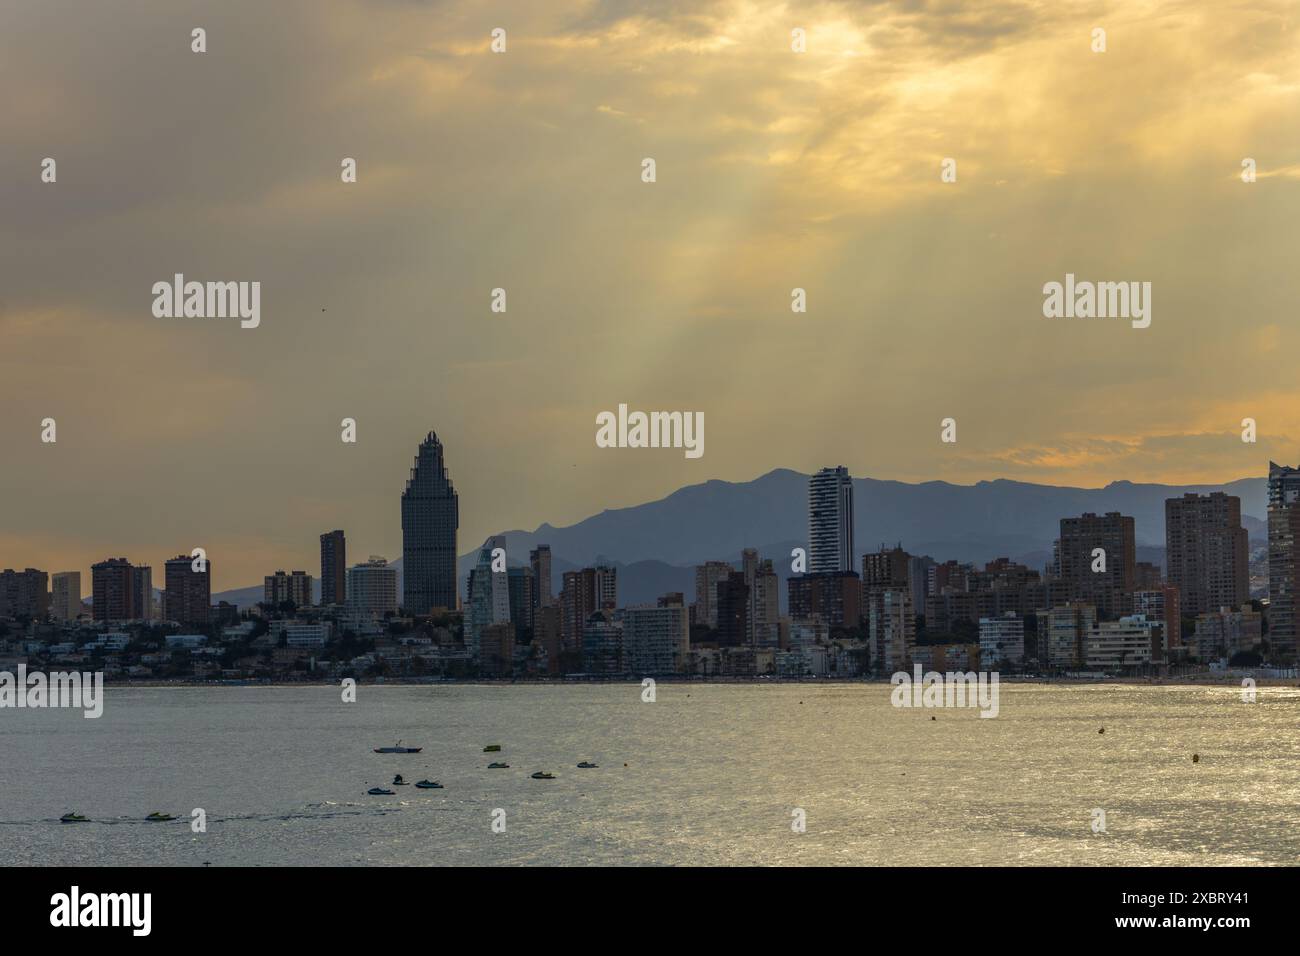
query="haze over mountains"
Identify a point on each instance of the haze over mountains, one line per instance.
(656, 545)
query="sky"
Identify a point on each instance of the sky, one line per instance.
(522, 170)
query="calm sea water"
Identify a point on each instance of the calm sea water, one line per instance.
(708, 774)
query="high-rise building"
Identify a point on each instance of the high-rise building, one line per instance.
(577, 603)
(430, 519)
(546, 635)
(1225, 632)
(121, 591)
(585, 592)
(830, 521)
(656, 640)
(65, 595)
(1111, 589)
(24, 592)
(489, 593)
(1163, 604)
(1283, 558)
(1061, 632)
(733, 611)
(372, 587)
(707, 577)
(1002, 640)
(540, 560)
(891, 627)
(764, 606)
(602, 644)
(833, 596)
(295, 589)
(333, 568)
(187, 599)
(1207, 551)
(522, 589)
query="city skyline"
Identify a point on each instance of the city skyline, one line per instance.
(817, 171)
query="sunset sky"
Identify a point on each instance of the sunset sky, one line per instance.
(522, 170)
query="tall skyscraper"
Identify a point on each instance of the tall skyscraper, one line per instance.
(540, 560)
(585, 592)
(1283, 559)
(489, 594)
(733, 611)
(707, 577)
(65, 593)
(1207, 552)
(830, 521)
(187, 599)
(333, 568)
(1110, 590)
(430, 519)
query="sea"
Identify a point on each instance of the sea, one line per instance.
(767, 774)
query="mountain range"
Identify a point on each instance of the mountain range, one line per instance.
(657, 544)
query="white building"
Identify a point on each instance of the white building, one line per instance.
(1002, 639)
(372, 587)
(656, 640)
(1130, 642)
(830, 520)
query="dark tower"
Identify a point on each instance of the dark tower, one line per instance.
(430, 518)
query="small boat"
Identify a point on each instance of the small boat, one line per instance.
(399, 749)
(492, 748)
(428, 785)
(159, 817)
(543, 775)
(587, 765)
(73, 818)
(498, 766)
(380, 792)
(398, 781)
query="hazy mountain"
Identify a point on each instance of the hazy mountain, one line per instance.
(655, 545)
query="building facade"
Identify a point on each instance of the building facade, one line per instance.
(430, 521)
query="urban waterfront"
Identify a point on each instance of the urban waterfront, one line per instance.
(707, 774)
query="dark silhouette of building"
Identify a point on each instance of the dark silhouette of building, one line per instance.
(121, 591)
(187, 599)
(430, 520)
(733, 611)
(1111, 590)
(1283, 559)
(24, 592)
(333, 568)
(833, 596)
(540, 560)
(1207, 552)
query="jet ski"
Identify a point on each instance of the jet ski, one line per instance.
(398, 781)
(159, 817)
(428, 785)
(73, 818)
(587, 765)
(380, 792)
(498, 766)
(543, 775)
